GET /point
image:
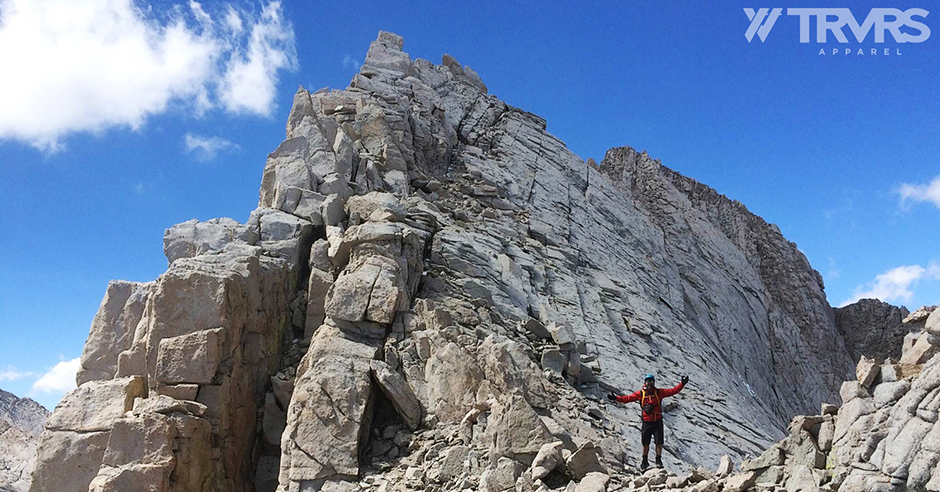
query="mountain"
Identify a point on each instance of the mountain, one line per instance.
(21, 422)
(432, 291)
(873, 328)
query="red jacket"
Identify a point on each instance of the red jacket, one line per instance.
(651, 398)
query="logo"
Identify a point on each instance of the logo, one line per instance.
(879, 20)
(756, 18)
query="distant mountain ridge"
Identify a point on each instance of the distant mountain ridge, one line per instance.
(21, 423)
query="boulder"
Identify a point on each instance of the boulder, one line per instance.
(510, 370)
(537, 329)
(94, 406)
(771, 457)
(826, 434)
(655, 477)
(932, 324)
(725, 466)
(902, 446)
(326, 419)
(403, 398)
(887, 393)
(867, 371)
(283, 235)
(454, 461)
(553, 360)
(801, 479)
(318, 285)
(710, 485)
(805, 452)
(193, 358)
(547, 459)
(502, 476)
(772, 475)
(584, 461)
(677, 482)
(366, 205)
(179, 391)
(385, 53)
(146, 439)
(193, 238)
(283, 387)
(851, 390)
(562, 333)
(740, 482)
(515, 431)
(922, 350)
(920, 314)
(116, 479)
(162, 404)
(371, 289)
(453, 378)
(593, 482)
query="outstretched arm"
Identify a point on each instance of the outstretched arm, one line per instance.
(671, 391)
(631, 397)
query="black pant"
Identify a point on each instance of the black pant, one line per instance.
(650, 430)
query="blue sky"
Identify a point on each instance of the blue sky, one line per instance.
(108, 139)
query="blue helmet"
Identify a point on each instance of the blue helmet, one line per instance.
(648, 377)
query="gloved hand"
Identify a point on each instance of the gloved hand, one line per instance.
(611, 397)
(685, 380)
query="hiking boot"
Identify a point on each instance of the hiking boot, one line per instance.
(644, 464)
(659, 461)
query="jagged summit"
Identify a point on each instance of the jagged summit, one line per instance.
(432, 290)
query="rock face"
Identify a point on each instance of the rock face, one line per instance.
(885, 437)
(21, 422)
(872, 328)
(432, 290)
(210, 332)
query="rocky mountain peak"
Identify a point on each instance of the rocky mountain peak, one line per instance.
(435, 293)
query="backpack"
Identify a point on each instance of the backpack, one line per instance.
(648, 409)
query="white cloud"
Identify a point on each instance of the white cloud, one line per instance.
(87, 66)
(59, 379)
(11, 374)
(233, 20)
(250, 78)
(895, 284)
(206, 148)
(929, 192)
(350, 62)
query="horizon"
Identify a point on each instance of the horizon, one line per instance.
(801, 140)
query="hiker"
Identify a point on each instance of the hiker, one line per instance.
(650, 397)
